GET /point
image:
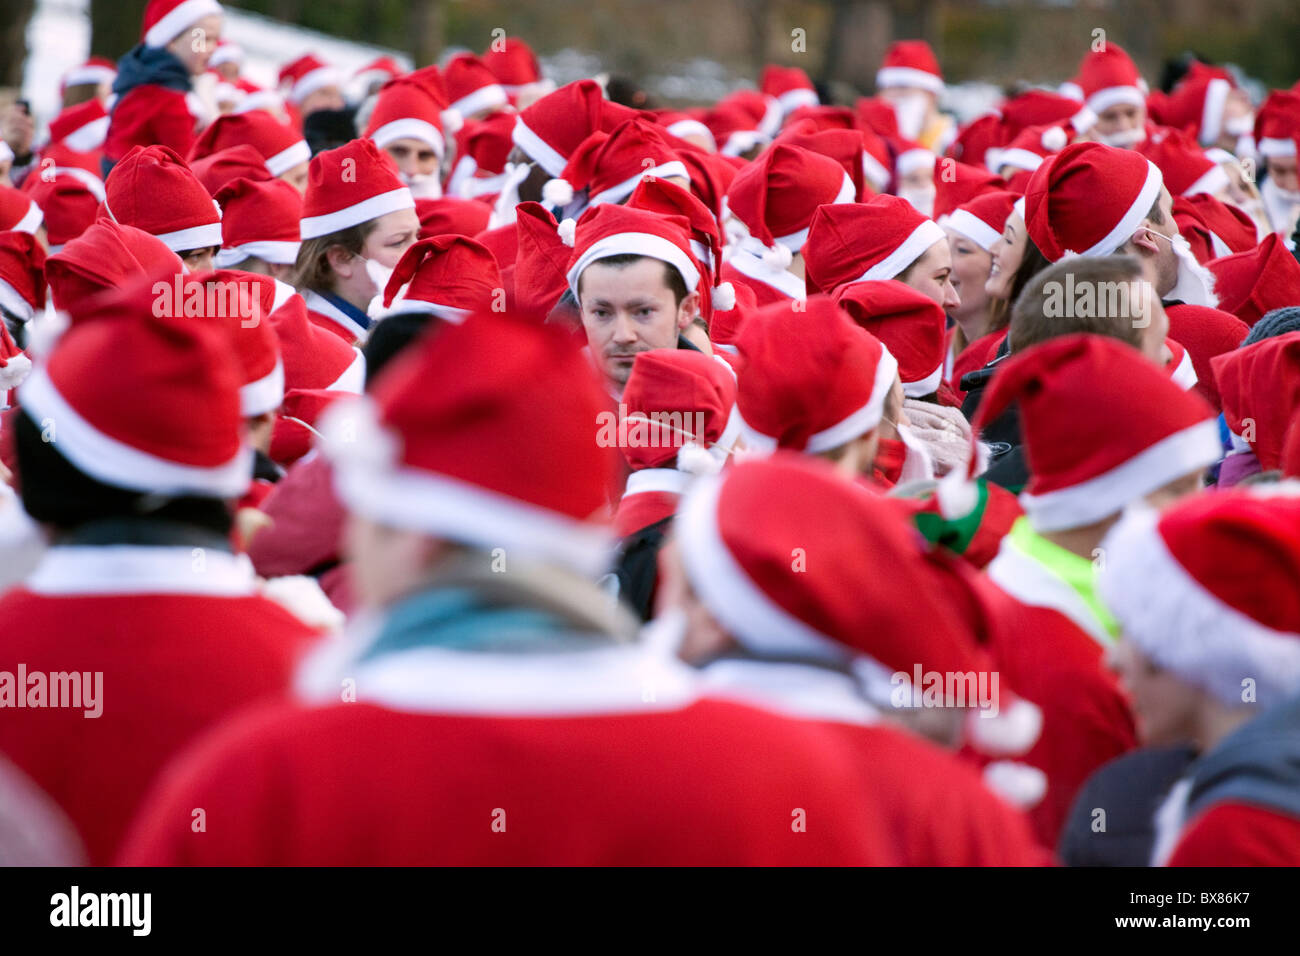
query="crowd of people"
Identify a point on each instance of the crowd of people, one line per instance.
(508, 473)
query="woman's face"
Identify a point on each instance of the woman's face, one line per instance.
(395, 232)
(970, 271)
(1008, 253)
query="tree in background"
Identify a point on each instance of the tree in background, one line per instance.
(115, 26)
(14, 16)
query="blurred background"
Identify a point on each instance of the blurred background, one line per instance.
(686, 51)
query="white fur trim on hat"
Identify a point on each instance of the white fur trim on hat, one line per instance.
(908, 76)
(973, 228)
(1019, 158)
(195, 237)
(353, 378)
(1104, 99)
(1216, 95)
(450, 313)
(924, 386)
(280, 253)
(1274, 146)
(794, 241)
(1183, 627)
(876, 174)
(1137, 211)
(1088, 502)
(91, 73)
(264, 395)
(692, 127)
(15, 371)
(865, 418)
(313, 227)
(410, 128)
(286, 159)
(89, 136)
(1214, 179)
(537, 149)
(13, 303)
(484, 98)
(31, 220)
(116, 463)
(180, 17)
(317, 79)
(624, 189)
(640, 244)
(910, 160)
(792, 100)
(908, 251)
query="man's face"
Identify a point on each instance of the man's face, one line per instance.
(931, 275)
(199, 260)
(627, 310)
(413, 157)
(1152, 341)
(1282, 170)
(297, 177)
(1123, 120)
(1164, 707)
(196, 45)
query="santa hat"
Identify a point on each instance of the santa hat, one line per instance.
(977, 141)
(1259, 386)
(108, 255)
(1207, 590)
(910, 63)
(152, 189)
(255, 345)
(314, 357)
(681, 125)
(69, 206)
(82, 127)
(706, 242)
(1252, 283)
(1108, 77)
(711, 176)
(1031, 146)
(789, 86)
(813, 380)
(142, 400)
(483, 146)
(1089, 199)
(1089, 453)
(407, 110)
(1196, 104)
(227, 165)
(549, 130)
(226, 52)
(876, 114)
(673, 393)
(259, 219)
(877, 239)
(609, 165)
(22, 280)
(279, 145)
(734, 129)
(541, 262)
(448, 215)
(18, 211)
(909, 324)
(380, 69)
(305, 75)
(94, 71)
(1277, 124)
(777, 195)
(845, 146)
(956, 183)
(909, 157)
(982, 219)
(165, 20)
(471, 87)
(1213, 228)
(351, 185)
(1185, 167)
(482, 435)
(1036, 107)
(516, 68)
(609, 230)
(15, 366)
(446, 276)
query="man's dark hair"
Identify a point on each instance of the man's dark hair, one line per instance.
(1034, 317)
(672, 277)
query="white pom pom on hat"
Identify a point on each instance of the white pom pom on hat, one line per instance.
(695, 459)
(1054, 139)
(557, 192)
(452, 121)
(723, 297)
(567, 229)
(778, 257)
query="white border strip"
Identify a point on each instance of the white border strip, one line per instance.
(141, 569)
(183, 15)
(863, 419)
(925, 235)
(314, 227)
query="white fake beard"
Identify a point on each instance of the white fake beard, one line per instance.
(423, 186)
(1281, 206)
(1124, 138)
(1240, 125)
(503, 210)
(922, 200)
(910, 112)
(1195, 284)
(917, 464)
(379, 275)
(663, 634)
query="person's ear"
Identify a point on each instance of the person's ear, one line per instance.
(341, 261)
(1143, 242)
(687, 311)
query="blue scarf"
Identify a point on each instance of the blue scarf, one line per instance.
(150, 65)
(347, 308)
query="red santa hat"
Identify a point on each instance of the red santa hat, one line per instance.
(609, 230)
(165, 20)
(471, 87)
(314, 357)
(446, 276)
(351, 185)
(666, 198)
(69, 206)
(683, 400)
(482, 435)
(683, 124)
(250, 298)
(108, 255)
(279, 145)
(305, 75)
(910, 63)
(1207, 591)
(407, 110)
(909, 324)
(448, 215)
(1259, 387)
(1183, 164)
(1089, 453)
(1196, 103)
(94, 71)
(175, 427)
(82, 127)
(609, 165)
(227, 165)
(1030, 147)
(381, 69)
(1089, 200)
(549, 130)
(955, 183)
(1252, 283)
(541, 262)
(18, 211)
(1108, 77)
(15, 366)
(982, 219)
(516, 68)
(734, 129)
(910, 157)
(226, 52)
(845, 146)
(1213, 228)
(1036, 107)
(711, 176)
(22, 280)
(877, 239)
(777, 195)
(812, 380)
(1277, 124)
(259, 219)
(152, 189)
(789, 86)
